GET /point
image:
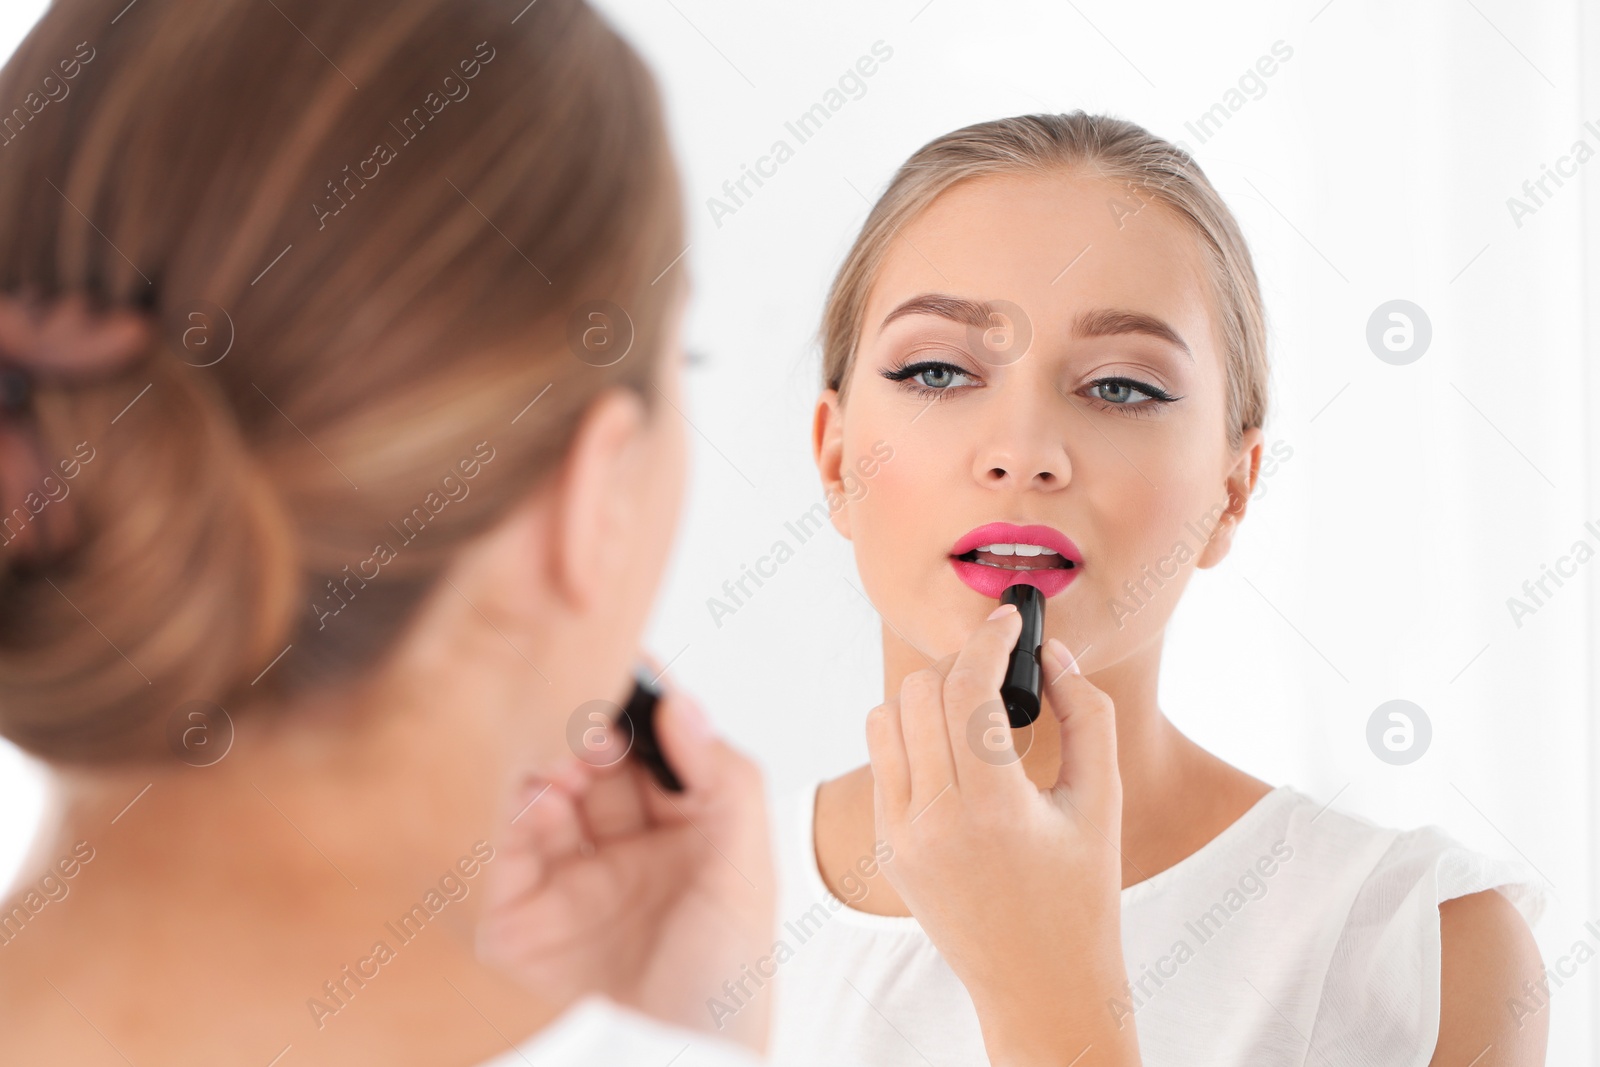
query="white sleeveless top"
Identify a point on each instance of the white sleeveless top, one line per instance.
(1295, 924)
(596, 1032)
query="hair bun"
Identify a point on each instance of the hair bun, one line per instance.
(156, 564)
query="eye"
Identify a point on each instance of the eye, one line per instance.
(930, 377)
(1128, 393)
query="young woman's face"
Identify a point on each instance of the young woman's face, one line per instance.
(1094, 414)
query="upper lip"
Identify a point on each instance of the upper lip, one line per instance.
(1005, 533)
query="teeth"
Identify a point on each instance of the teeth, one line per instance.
(1017, 550)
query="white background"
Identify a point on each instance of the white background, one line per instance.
(1376, 164)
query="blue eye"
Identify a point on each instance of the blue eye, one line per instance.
(1126, 392)
(930, 376)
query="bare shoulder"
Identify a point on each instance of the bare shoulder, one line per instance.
(838, 821)
(1215, 795)
(847, 853)
(1235, 788)
(1487, 953)
(837, 797)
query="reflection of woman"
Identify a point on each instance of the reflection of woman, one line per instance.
(316, 450)
(1054, 324)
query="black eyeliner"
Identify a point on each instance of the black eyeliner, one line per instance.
(900, 374)
(1154, 392)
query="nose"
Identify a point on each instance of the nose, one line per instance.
(1022, 454)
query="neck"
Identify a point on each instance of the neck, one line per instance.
(347, 813)
(266, 883)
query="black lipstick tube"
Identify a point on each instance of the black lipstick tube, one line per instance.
(638, 724)
(1020, 689)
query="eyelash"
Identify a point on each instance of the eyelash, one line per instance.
(910, 370)
(1155, 394)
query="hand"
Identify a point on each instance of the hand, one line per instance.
(607, 884)
(1018, 887)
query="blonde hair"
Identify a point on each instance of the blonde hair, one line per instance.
(394, 315)
(1105, 148)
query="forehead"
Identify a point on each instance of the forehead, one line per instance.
(1056, 245)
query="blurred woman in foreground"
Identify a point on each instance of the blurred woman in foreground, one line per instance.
(338, 464)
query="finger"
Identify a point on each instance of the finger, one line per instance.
(715, 776)
(929, 761)
(891, 774)
(614, 805)
(972, 688)
(540, 826)
(1087, 720)
(553, 823)
(723, 807)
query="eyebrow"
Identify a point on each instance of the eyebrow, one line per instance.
(1100, 322)
(955, 308)
(1107, 322)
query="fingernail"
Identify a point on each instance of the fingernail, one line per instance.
(1001, 610)
(1059, 651)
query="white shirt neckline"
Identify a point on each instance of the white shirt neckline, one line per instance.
(812, 873)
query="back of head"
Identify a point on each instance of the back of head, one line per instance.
(367, 236)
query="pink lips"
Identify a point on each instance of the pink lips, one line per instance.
(992, 581)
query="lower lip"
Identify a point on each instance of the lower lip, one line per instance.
(992, 581)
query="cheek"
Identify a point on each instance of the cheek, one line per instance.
(898, 495)
(898, 523)
(1141, 524)
(1150, 541)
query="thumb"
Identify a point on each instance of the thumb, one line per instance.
(1089, 778)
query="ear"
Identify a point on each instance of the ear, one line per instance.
(827, 448)
(597, 494)
(1241, 482)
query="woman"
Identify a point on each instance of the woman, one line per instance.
(1053, 326)
(339, 456)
